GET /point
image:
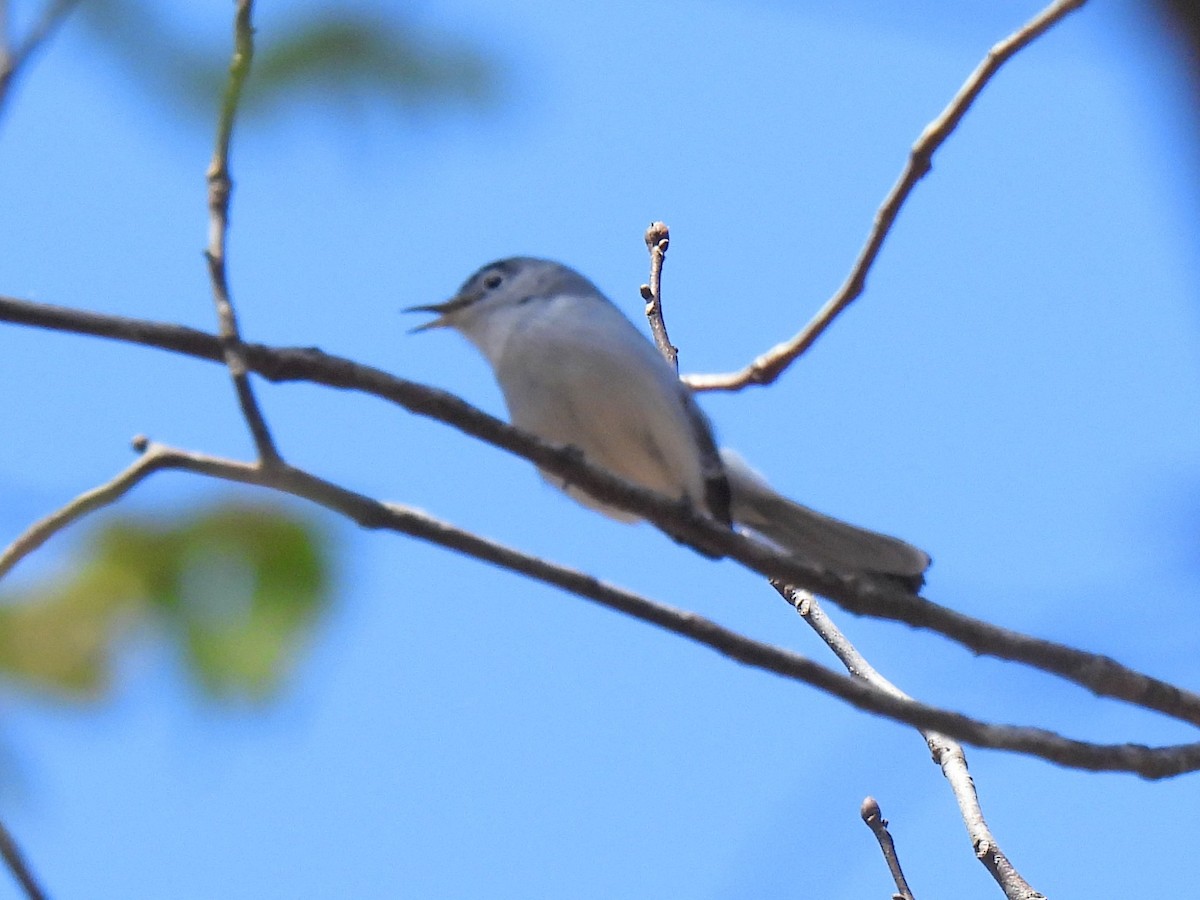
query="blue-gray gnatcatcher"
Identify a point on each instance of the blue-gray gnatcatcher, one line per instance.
(575, 371)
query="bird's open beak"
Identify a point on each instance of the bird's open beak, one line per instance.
(438, 308)
(444, 312)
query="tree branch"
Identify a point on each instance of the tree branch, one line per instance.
(858, 593)
(766, 368)
(17, 864)
(220, 186)
(14, 59)
(947, 753)
(658, 239)
(1149, 762)
(872, 815)
(89, 501)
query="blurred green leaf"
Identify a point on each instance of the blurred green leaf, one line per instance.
(346, 58)
(59, 638)
(343, 59)
(237, 587)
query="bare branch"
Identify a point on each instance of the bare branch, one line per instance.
(14, 59)
(947, 753)
(858, 593)
(220, 185)
(766, 368)
(89, 501)
(17, 864)
(658, 239)
(1149, 762)
(873, 816)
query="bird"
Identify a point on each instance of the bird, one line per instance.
(575, 371)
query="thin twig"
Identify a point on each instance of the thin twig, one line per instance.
(658, 239)
(873, 816)
(14, 59)
(947, 753)
(766, 368)
(1149, 762)
(19, 866)
(859, 594)
(89, 501)
(220, 185)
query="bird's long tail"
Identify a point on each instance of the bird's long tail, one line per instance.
(816, 537)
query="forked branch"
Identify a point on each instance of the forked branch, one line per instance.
(860, 594)
(947, 753)
(220, 186)
(766, 368)
(1150, 762)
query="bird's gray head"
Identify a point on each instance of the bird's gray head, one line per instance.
(507, 284)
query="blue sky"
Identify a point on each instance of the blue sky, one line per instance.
(1016, 393)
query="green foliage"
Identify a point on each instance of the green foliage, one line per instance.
(236, 587)
(342, 59)
(346, 58)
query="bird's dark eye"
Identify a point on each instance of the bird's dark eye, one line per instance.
(493, 281)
